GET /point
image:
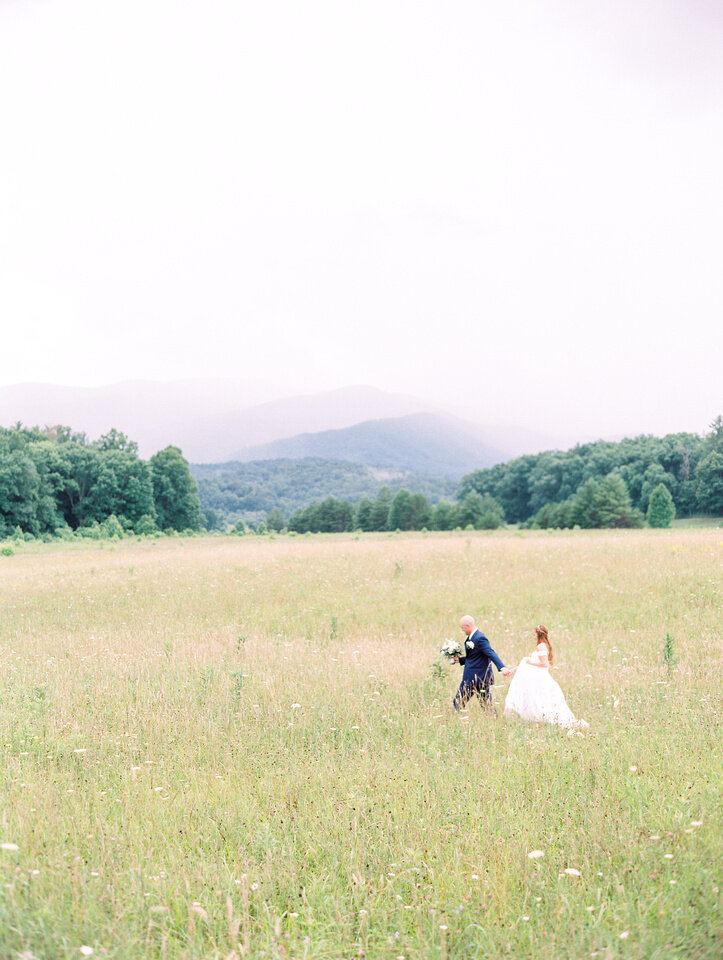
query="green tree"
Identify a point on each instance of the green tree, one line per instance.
(652, 478)
(19, 493)
(115, 440)
(482, 512)
(444, 516)
(174, 491)
(604, 503)
(379, 519)
(709, 483)
(409, 511)
(276, 520)
(363, 514)
(122, 486)
(661, 509)
(145, 525)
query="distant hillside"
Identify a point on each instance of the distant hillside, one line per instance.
(251, 490)
(429, 443)
(210, 420)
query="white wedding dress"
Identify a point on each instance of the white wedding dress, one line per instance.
(534, 695)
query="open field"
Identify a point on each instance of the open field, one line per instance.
(215, 748)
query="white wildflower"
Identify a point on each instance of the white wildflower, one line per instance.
(536, 854)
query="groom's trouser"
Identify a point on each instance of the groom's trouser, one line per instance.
(479, 685)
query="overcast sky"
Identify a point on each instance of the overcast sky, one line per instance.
(512, 207)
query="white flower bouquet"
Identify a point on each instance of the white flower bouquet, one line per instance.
(452, 648)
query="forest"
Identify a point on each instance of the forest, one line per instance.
(250, 490)
(597, 485)
(54, 482)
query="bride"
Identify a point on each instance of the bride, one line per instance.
(533, 694)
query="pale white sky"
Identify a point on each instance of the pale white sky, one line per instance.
(508, 206)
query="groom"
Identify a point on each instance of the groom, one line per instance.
(477, 676)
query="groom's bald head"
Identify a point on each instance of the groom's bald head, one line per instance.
(467, 624)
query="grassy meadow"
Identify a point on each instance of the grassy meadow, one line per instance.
(245, 747)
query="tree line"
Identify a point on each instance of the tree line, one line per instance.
(562, 488)
(53, 482)
(604, 484)
(251, 490)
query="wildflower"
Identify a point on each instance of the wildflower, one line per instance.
(632, 769)
(572, 872)
(443, 926)
(87, 951)
(668, 856)
(624, 935)
(254, 886)
(535, 854)
(696, 823)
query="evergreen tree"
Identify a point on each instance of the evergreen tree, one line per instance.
(380, 511)
(661, 509)
(363, 514)
(604, 503)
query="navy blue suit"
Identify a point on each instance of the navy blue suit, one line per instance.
(477, 676)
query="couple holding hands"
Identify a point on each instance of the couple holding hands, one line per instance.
(533, 694)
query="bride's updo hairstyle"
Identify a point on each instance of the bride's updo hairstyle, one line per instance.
(542, 637)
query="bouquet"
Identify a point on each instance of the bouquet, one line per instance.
(452, 648)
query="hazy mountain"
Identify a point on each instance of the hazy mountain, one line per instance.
(431, 443)
(208, 419)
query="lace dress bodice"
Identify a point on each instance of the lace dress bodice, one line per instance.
(539, 655)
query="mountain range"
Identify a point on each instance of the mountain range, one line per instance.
(429, 443)
(215, 421)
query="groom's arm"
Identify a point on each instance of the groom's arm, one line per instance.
(487, 650)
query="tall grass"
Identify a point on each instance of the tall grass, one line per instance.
(245, 747)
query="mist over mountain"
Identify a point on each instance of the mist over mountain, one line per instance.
(208, 419)
(215, 421)
(429, 443)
